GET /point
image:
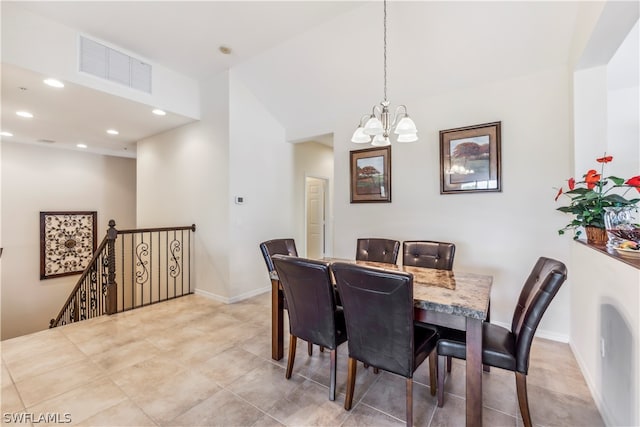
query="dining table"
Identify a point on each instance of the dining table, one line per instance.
(452, 299)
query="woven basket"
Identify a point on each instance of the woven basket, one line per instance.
(596, 236)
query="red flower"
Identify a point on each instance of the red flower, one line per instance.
(605, 159)
(591, 178)
(634, 182)
(572, 183)
(558, 195)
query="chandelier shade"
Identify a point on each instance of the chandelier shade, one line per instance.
(380, 123)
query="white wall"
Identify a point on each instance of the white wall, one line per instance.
(36, 179)
(183, 179)
(39, 44)
(312, 159)
(261, 170)
(501, 234)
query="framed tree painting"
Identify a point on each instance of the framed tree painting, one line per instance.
(371, 175)
(67, 242)
(470, 159)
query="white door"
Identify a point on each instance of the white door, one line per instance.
(315, 193)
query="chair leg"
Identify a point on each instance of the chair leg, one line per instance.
(310, 348)
(448, 364)
(321, 349)
(409, 402)
(293, 341)
(376, 371)
(440, 369)
(351, 383)
(523, 400)
(332, 384)
(433, 368)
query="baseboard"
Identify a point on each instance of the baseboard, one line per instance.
(597, 398)
(237, 298)
(553, 336)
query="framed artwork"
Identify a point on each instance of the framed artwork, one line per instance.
(371, 175)
(470, 159)
(67, 242)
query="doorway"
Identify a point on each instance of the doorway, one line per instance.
(315, 216)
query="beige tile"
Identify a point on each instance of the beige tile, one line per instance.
(11, 401)
(366, 416)
(194, 353)
(388, 395)
(48, 385)
(453, 414)
(265, 385)
(174, 396)
(20, 347)
(308, 405)
(124, 414)
(498, 387)
(551, 408)
(177, 337)
(221, 409)
(147, 375)
(5, 376)
(125, 355)
(82, 402)
(40, 363)
(267, 421)
(228, 366)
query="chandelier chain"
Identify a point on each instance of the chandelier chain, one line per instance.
(385, 50)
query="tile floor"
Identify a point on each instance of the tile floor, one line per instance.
(197, 362)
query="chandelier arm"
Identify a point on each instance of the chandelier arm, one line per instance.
(397, 116)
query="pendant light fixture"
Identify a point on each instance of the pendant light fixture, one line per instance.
(380, 123)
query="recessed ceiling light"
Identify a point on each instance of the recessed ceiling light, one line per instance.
(25, 114)
(53, 83)
(159, 112)
(112, 132)
(5, 133)
(81, 145)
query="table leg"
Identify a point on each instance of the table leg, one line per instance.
(277, 321)
(474, 372)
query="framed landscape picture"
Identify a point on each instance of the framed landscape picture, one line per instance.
(470, 159)
(371, 175)
(67, 242)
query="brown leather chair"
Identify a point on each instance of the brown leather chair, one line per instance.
(509, 349)
(428, 253)
(378, 308)
(313, 314)
(378, 250)
(279, 247)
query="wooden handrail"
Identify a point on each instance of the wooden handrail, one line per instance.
(148, 230)
(103, 245)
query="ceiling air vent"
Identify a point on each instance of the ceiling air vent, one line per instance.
(106, 63)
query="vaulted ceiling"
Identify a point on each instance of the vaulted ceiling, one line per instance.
(317, 51)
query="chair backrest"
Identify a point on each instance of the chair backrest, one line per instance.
(309, 293)
(538, 291)
(378, 250)
(378, 310)
(428, 253)
(277, 247)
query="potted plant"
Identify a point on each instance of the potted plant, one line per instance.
(589, 198)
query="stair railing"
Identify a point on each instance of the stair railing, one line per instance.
(131, 269)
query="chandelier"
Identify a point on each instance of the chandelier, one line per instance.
(380, 123)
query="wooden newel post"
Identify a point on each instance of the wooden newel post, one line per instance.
(111, 302)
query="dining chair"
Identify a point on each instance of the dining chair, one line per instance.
(378, 250)
(378, 309)
(273, 247)
(510, 349)
(428, 253)
(313, 314)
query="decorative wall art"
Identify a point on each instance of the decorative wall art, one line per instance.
(67, 242)
(371, 175)
(470, 159)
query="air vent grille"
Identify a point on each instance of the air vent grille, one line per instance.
(110, 64)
